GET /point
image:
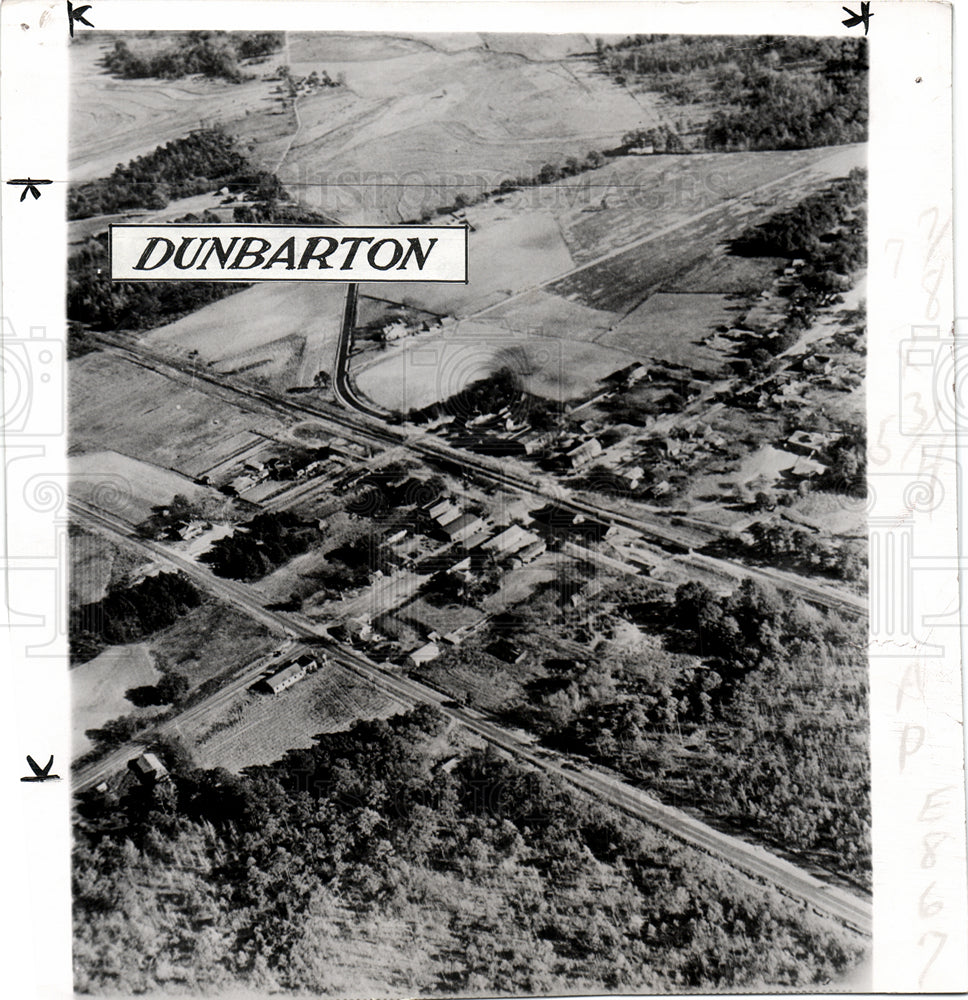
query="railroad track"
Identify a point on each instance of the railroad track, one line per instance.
(753, 861)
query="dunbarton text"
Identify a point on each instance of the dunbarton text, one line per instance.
(247, 253)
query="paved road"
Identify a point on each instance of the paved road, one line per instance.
(754, 861)
(343, 387)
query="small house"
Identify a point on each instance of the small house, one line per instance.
(148, 769)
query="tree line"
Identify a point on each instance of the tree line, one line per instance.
(204, 159)
(214, 54)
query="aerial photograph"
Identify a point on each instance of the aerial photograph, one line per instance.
(473, 639)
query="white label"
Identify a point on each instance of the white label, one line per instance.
(230, 252)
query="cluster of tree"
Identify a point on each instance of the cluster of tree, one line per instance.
(269, 209)
(166, 520)
(361, 557)
(789, 109)
(847, 471)
(828, 231)
(94, 300)
(807, 229)
(259, 546)
(789, 543)
(664, 139)
(735, 678)
(204, 159)
(215, 881)
(502, 390)
(79, 341)
(772, 92)
(172, 687)
(127, 614)
(484, 578)
(215, 54)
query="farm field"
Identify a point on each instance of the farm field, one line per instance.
(260, 728)
(113, 120)
(280, 332)
(630, 197)
(98, 687)
(478, 115)
(143, 414)
(674, 327)
(605, 301)
(96, 563)
(211, 640)
(127, 487)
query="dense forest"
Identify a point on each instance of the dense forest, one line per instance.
(258, 546)
(388, 860)
(215, 54)
(768, 92)
(751, 709)
(127, 614)
(204, 160)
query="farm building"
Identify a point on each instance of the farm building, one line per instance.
(584, 453)
(628, 375)
(424, 654)
(289, 675)
(510, 541)
(806, 468)
(463, 527)
(808, 444)
(532, 551)
(148, 768)
(444, 512)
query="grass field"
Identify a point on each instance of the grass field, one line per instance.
(210, 640)
(98, 687)
(127, 487)
(113, 121)
(672, 328)
(95, 564)
(449, 113)
(140, 413)
(260, 728)
(283, 332)
(609, 300)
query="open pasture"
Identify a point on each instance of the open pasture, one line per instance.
(95, 564)
(455, 117)
(98, 687)
(672, 328)
(285, 332)
(114, 120)
(260, 728)
(138, 412)
(631, 197)
(211, 640)
(504, 257)
(127, 487)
